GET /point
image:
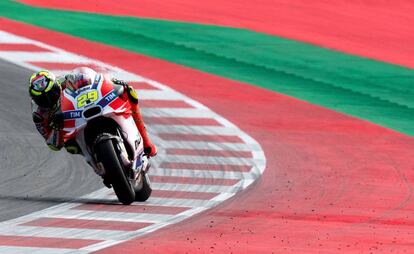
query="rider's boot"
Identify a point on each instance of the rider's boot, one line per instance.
(149, 148)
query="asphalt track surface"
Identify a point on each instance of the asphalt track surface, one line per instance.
(31, 176)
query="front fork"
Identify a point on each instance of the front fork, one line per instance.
(136, 170)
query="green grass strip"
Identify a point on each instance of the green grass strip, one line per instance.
(378, 92)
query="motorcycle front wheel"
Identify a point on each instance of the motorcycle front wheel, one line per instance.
(145, 192)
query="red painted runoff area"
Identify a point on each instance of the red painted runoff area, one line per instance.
(333, 183)
(380, 30)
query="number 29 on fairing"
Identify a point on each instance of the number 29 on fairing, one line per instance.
(87, 98)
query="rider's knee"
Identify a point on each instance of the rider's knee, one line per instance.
(72, 147)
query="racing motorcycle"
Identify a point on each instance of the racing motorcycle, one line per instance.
(101, 123)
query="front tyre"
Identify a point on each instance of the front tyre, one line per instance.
(106, 154)
(145, 192)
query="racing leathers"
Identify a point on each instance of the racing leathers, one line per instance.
(49, 122)
(44, 120)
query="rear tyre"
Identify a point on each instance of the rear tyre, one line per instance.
(106, 154)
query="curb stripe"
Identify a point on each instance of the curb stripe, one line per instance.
(142, 85)
(45, 242)
(26, 57)
(210, 160)
(21, 47)
(176, 112)
(202, 166)
(192, 180)
(199, 137)
(111, 216)
(182, 194)
(214, 146)
(11, 38)
(216, 189)
(163, 104)
(58, 66)
(65, 233)
(132, 208)
(32, 250)
(178, 201)
(160, 95)
(206, 152)
(209, 174)
(182, 121)
(187, 132)
(89, 224)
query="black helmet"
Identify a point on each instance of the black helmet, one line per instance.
(43, 89)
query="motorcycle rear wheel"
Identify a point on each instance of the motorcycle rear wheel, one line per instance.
(107, 155)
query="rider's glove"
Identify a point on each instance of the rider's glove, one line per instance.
(150, 150)
(130, 91)
(119, 82)
(56, 121)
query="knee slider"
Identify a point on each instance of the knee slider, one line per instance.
(72, 147)
(53, 148)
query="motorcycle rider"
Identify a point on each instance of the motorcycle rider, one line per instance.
(46, 90)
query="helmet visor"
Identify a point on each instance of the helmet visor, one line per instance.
(48, 99)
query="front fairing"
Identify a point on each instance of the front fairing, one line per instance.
(88, 102)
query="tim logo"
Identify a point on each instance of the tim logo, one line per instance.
(110, 97)
(75, 114)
